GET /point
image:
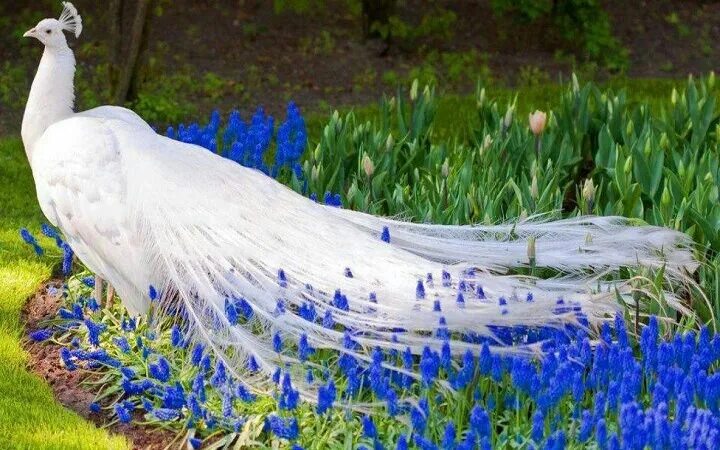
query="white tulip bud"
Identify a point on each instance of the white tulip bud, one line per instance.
(414, 90)
(508, 118)
(575, 84)
(445, 169)
(588, 192)
(368, 166)
(389, 143)
(487, 142)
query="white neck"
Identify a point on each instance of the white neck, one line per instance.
(51, 96)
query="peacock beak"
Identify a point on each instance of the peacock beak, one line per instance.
(30, 33)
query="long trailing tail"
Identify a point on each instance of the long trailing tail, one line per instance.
(254, 264)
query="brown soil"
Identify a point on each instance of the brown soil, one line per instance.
(45, 362)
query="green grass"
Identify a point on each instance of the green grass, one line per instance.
(29, 416)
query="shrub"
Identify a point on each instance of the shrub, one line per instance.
(582, 24)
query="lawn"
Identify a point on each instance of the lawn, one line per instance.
(30, 418)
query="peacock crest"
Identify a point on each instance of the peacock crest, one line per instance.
(70, 20)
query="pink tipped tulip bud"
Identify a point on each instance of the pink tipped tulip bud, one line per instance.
(538, 119)
(368, 166)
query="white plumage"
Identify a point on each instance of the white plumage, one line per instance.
(140, 209)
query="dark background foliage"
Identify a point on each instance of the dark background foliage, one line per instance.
(173, 59)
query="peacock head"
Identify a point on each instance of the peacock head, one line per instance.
(50, 31)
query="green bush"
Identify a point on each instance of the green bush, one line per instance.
(582, 24)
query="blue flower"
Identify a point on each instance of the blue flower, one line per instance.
(420, 290)
(93, 305)
(601, 433)
(147, 404)
(391, 402)
(419, 416)
(328, 321)
(538, 426)
(94, 331)
(276, 376)
(124, 411)
(128, 324)
(307, 311)
(94, 407)
(166, 414)
(446, 279)
(67, 359)
(348, 273)
(67, 259)
(50, 232)
(424, 444)
(136, 387)
(277, 342)
(282, 278)
(252, 364)
(42, 334)
(219, 377)
(368, 427)
(195, 443)
(480, 421)
(197, 354)
(340, 301)
(304, 348)
(30, 240)
(176, 338)
(128, 373)
(287, 429)
(385, 235)
(160, 370)
(586, 426)
(289, 397)
(402, 443)
(152, 293)
(173, 396)
(449, 436)
(243, 394)
(429, 365)
(326, 397)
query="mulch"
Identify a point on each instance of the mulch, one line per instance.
(44, 361)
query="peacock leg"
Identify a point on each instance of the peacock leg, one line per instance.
(97, 293)
(110, 295)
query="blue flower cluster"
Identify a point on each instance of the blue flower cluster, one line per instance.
(249, 143)
(50, 232)
(660, 391)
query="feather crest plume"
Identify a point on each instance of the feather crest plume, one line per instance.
(70, 19)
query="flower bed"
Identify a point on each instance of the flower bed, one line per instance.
(570, 386)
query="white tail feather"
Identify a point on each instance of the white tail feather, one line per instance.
(243, 227)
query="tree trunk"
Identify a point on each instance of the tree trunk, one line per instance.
(142, 59)
(128, 67)
(115, 29)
